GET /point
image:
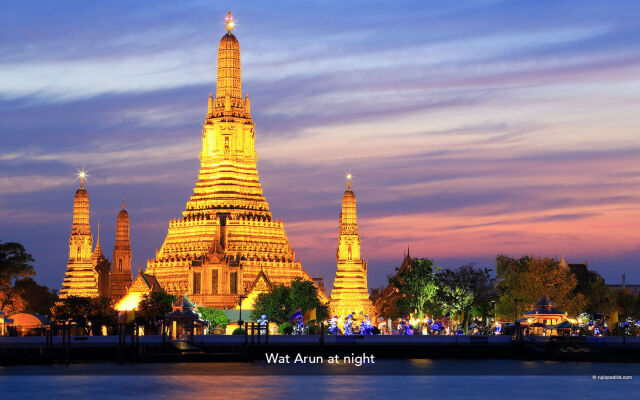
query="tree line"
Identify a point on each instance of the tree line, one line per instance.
(421, 288)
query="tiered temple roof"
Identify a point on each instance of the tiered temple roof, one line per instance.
(226, 235)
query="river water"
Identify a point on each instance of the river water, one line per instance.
(386, 379)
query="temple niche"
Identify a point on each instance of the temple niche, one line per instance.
(227, 245)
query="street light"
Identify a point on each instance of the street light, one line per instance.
(240, 321)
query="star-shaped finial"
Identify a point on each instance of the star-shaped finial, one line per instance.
(230, 22)
(82, 174)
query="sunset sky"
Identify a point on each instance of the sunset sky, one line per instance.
(471, 128)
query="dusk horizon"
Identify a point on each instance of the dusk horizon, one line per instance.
(514, 133)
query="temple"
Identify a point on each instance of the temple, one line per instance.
(89, 273)
(120, 277)
(81, 278)
(350, 293)
(226, 246)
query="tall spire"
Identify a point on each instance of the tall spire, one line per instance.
(229, 77)
(80, 277)
(350, 292)
(98, 250)
(348, 216)
(121, 268)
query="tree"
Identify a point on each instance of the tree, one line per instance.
(279, 303)
(155, 305)
(600, 298)
(462, 289)
(416, 285)
(274, 304)
(36, 298)
(628, 304)
(528, 279)
(214, 316)
(304, 295)
(14, 264)
(88, 313)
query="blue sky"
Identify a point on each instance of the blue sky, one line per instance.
(471, 128)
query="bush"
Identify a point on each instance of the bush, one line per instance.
(214, 316)
(238, 331)
(286, 328)
(314, 329)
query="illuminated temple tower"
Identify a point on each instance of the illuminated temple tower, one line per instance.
(120, 278)
(226, 244)
(350, 293)
(80, 278)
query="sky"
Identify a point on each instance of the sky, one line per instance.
(471, 128)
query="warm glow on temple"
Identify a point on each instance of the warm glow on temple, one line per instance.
(350, 293)
(81, 278)
(226, 236)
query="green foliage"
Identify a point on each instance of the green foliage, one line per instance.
(416, 285)
(215, 316)
(274, 304)
(628, 304)
(528, 279)
(36, 298)
(238, 331)
(86, 312)
(599, 297)
(282, 301)
(155, 305)
(285, 328)
(14, 264)
(462, 289)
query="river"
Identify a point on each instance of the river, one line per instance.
(386, 379)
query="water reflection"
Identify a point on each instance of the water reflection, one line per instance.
(441, 378)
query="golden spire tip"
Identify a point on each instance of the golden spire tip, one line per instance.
(229, 22)
(82, 174)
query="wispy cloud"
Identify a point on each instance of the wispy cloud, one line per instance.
(471, 128)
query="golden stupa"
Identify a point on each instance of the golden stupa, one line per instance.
(226, 246)
(350, 293)
(80, 278)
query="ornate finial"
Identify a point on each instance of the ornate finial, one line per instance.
(98, 240)
(230, 22)
(349, 181)
(82, 174)
(123, 203)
